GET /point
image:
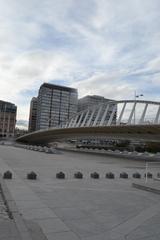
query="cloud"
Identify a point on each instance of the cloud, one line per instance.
(104, 85)
(28, 71)
(101, 47)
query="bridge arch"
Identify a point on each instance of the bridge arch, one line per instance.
(103, 121)
(109, 114)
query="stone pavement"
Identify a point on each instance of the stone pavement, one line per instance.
(85, 209)
(11, 224)
(153, 186)
(8, 229)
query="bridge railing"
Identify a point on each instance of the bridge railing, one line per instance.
(108, 114)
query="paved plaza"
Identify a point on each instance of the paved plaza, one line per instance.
(77, 209)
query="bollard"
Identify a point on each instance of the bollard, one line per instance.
(60, 175)
(32, 176)
(136, 175)
(95, 175)
(149, 175)
(110, 175)
(123, 175)
(7, 175)
(158, 175)
(78, 175)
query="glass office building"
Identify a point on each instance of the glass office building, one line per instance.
(56, 104)
(33, 115)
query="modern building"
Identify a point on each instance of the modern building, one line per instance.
(8, 112)
(33, 115)
(56, 104)
(90, 101)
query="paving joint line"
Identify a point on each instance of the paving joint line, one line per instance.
(13, 212)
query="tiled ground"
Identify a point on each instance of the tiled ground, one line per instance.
(85, 209)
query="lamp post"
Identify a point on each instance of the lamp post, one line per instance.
(135, 98)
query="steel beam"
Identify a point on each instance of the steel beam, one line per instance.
(143, 114)
(104, 115)
(97, 117)
(121, 114)
(157, 116)
(131, 114)
(90, 119)
(112, 115)
(85, 118)
(75, 120)
(79, 121)
(70, 123)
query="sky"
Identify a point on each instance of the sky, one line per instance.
(104, 47)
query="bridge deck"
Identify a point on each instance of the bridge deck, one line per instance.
(145, 132)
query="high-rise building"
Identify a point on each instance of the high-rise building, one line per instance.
(56, 104)
(94, 100)
(33, 115)
(90, 100)
(8, 112)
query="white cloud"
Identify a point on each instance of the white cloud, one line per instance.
(105, 85)
(94, 45)
(27, 71)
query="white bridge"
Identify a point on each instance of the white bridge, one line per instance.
(124, 112)
(125, 119)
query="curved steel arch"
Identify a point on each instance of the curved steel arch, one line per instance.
(106, 114)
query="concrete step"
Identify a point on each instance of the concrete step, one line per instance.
(147, 187)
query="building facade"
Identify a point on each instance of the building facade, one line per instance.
(90, 101)
(33, 115)
(8, 112)
(56, 104)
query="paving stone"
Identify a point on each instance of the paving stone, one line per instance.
(62, 236)
(52, 225)
(70, 213)
(85, 227)
(80, 209)
(8, 229)
(38, 213)
(35, 231)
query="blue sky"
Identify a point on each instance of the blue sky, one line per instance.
(104, 47)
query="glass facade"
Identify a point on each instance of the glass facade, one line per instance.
(56, 104)
(33, 115)
(8, 113)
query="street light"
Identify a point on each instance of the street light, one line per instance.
(135, 98)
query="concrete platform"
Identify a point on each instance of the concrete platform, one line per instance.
(80, 209)
(150, 187)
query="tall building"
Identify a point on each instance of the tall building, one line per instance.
(33, 115)
(94, 100)
(8, 112)
(89, 101)
(56, 104)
